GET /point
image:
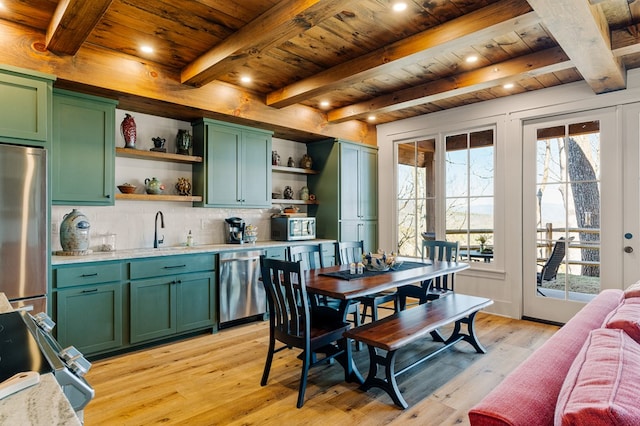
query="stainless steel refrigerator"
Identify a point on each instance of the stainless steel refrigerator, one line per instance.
(23, 226)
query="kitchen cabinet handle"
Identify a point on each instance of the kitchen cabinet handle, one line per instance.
(95, 274)
(90, 291)
(175, 267)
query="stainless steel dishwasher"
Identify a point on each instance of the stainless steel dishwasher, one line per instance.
(242, 295)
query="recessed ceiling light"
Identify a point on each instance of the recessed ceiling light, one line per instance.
(146, 49)
(508, 86)
(399, 6)
(471, 59)
(245, 79)
(324, 104)
(371, 118)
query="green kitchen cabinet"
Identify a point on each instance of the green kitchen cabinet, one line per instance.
(83, 150)
(236, 171)
(25, 106)
(346, 187)
(278, 253)
(171, 295)
(88, 306)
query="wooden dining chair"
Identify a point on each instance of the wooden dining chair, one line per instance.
(351, 252)
(296, 324)
(434, 288)
(310, 256)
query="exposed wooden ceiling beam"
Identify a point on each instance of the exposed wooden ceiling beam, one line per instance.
(484, 24)
(72, 23)
(280, 23)
(105, 70)
(527, 66)
(583, 33)
(625, 41)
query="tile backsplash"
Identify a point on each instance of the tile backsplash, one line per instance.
(132, 222)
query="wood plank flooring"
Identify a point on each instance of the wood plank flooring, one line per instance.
(215, 380)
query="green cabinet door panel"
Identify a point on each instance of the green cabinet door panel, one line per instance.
(83, 150)
(90, 318)
(153, 308)
(236, 171)
(347, 191)
(368, 183)
(223, 160)
(196, 301)
(25, 107)
(349, 183)
(161, 307)
(256, 169)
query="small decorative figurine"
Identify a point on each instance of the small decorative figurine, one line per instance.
(306, 162)
(291, 162)
(158, 144)
(275, 158)
(183, 186)
(288, 193)
(128, 128)
(304, 193)
(183, 142)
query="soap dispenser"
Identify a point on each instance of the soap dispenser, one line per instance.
(189, 239)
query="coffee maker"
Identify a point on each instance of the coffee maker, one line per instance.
(235, 230)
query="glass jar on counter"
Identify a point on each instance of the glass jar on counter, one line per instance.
(108, 242)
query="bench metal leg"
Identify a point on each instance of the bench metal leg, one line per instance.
(470, 337)
(389, 383)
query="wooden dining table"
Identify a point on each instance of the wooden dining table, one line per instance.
(349, 287)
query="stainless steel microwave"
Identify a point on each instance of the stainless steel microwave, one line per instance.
(293, 228)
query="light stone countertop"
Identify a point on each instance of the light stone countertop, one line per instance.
(43, 404)
(170, 251)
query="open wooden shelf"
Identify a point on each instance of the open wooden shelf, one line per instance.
(285, 201)
(159, 197)
(157, 156)
(297, 170)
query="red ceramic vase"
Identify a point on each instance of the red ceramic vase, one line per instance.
(128, 128)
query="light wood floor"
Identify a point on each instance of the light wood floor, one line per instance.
(215, 380)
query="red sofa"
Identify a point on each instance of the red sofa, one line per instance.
(557, 374)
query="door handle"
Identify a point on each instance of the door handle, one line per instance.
(628, 249)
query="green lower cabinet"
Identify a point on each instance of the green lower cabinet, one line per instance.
(279, 253)
(196, 302)
(164, 306)
(90, 318)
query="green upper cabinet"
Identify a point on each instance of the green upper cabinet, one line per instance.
(25, 107)
(347, 190)
(236, 171)
(83, 149)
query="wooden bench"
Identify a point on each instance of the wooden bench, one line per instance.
(398, 330)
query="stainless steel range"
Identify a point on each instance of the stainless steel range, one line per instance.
(26, 344)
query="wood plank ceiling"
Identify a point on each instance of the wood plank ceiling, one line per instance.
(360, 56)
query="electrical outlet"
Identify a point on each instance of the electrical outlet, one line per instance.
(54, 227)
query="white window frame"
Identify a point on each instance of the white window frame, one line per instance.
(500, 207)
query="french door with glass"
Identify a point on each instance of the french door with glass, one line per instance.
(573, 211)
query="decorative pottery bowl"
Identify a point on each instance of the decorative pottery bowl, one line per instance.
(127, 188)
(379, 261)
